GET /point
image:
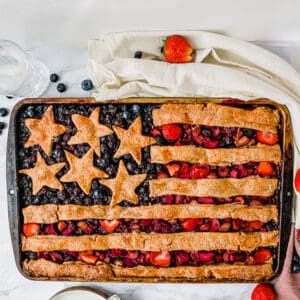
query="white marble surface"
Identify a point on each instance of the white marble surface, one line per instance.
(57, 32)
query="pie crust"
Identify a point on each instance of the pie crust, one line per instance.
(189, 241)
(81, 271)
(211, 114)
(215, 157)
(52, 213)
(221, 187)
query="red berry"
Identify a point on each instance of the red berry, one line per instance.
(177, 49)
(268, 138)
(161, 259)
(263, 292)
(110, 225)
(189, 224)
(87, 257)
(255, 224)
(171, 132)
(262, 255)
(173, 169)
(199, 172)
(265, 168)
(155, 132)
(31, 229)
(297, 181)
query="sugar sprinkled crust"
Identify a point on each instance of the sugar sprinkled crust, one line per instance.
(52, 213)
(217, 157)
(260, 118)
(221, 187)
(189, 241)
(79, 270)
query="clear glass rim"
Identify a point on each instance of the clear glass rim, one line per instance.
(26, 60)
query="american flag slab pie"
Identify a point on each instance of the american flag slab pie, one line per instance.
(150, 190)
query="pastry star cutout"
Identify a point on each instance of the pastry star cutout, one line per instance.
(123, 186)
(43, 175)
(89, 130)
(82, 170)
(43, 131)
(132, 141)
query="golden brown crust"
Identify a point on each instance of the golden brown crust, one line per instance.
(77, 167)
(219, 156)
(43, 175)
(132, 141)
(189, 241)
(78, 270)
(52, 213)
(44, 130)
(260, 118)
(221, 187)
(89, 130)
(46, 268)
(123, 186)
(221, 271)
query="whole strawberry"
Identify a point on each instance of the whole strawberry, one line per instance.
(177, 50)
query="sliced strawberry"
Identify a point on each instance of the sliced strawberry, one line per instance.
(110, 225)
(82, 225)
(31, 229)
(268, 138)
(61, 226)
(199, 172)
(255, 224)
(173, 169)
(184, 172)
(160, 259)
(297, 181)
(263, 291)
(171, 132)
(262, 255)
(177, 49)
(189, 224)
(265, 168)
(88, 258)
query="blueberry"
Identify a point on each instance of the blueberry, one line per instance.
(136, 109)
(61, 87)
(3, 112)
(54, 77)
(2, 125)
(138, 54)
(86, 84)
(9, 97)
(103, 163)
(126, 115)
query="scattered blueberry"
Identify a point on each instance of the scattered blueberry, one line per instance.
(3, 112)
(126, 114)
(9, 97)
(54, 77)
(61, 87)
(138, 54)
(86, 84)
(2, 125)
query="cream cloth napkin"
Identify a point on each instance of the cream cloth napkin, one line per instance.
(223, 67)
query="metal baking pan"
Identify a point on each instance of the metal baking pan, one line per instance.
(286, 182)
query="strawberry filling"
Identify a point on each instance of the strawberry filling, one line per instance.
(210, 136)
(125, 258)
(93, 226)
